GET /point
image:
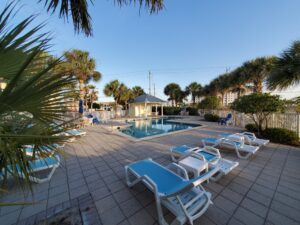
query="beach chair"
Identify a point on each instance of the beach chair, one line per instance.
(250, 138)
(49, 150)
(226, 120)
(186, 199)
(209, 154)
(39, 165)
(76, 132)
(236, 142)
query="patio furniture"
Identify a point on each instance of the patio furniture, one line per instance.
(186, 199)
(49, 149)
(236, 142)
(210, 154)
(250, 138)
(38, 165)
(194, 164)
(76, 132)
(226, 120)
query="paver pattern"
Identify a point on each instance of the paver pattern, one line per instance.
(262, 190)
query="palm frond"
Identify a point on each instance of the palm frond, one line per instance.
(287, 69)
(78, 10)
(35, 97)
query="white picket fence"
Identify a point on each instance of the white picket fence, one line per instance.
(290, 121)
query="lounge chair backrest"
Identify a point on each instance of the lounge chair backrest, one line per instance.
(229, 116)
(238, 139)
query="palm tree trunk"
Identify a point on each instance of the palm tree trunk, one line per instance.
(258, 87)
(81, 92)
(81, 89)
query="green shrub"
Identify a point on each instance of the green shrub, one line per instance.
(211, 117)
(251, 127)
(172, 110)
(192, 111)
(281, 135)
(210, 102)
(168, 110)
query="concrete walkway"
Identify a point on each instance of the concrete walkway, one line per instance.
(262, 190)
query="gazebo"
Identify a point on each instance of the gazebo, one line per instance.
(142, 105)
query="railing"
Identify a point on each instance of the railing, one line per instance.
(290, 121)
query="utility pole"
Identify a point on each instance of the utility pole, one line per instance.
(154, 89)
(149, 82)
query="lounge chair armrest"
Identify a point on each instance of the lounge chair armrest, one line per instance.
(212, 171)
(213, 150)
(249, 134)
(197, 156)
(179, 170)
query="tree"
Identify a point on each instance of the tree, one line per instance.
(210, 102)
(78, 10)
(80, 65)
(257, 70)
(126, 96)
(194, 89)
(34, 98)
(114, 89)
(239, 81)
(259, 106)
(137, 91)
(173, 91)
(286, 70)
(92, 95)
(180, 96)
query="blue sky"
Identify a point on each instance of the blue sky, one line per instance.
(188, 41)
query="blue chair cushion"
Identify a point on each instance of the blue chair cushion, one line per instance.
(211, 140)
(182, 148)
(166, 181)
(208, 156)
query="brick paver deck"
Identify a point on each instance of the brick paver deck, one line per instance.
(262, 190)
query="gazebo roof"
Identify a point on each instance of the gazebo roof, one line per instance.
(147, 99)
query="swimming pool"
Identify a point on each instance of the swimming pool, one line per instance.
(152, 127)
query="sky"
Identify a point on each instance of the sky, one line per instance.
(188, 41)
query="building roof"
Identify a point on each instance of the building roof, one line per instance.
(147, 99)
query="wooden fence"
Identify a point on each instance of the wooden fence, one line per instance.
(290, 121)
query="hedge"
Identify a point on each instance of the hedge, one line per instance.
(211, 117)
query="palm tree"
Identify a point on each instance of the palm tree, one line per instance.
(78, 10)
(180, 96)
(112, 89)
(34, 97)
(194, 89)
(137, 91)
(80, 65)
(257, 71)
(172, 90)
(286, 70)
(238, 81)
(126, 96)
(93, 95)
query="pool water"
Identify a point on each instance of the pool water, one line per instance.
(151, 127)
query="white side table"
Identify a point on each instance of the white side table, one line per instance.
(194, 165)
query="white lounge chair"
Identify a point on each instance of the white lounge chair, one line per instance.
(209, 154)
(236, 142)
(186, 199)
(39, 165)
(76, 132)
(47, 149)
(250, 138)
